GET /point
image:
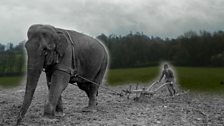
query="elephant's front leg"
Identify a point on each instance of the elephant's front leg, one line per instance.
(59, 106)
(59, 82)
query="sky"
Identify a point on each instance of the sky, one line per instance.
(163, 18)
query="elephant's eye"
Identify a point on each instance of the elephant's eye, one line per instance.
(44, 34)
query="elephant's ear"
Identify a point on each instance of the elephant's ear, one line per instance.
(61, 44)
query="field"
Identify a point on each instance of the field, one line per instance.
(189, 109)
(193, 78)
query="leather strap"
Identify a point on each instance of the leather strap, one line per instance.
(65, 69)
(74, 58)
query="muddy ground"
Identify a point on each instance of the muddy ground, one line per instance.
(186, 109)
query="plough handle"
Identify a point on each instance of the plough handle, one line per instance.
(155, 82)
(161, 86)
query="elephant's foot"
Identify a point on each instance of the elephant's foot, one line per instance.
(49, 118)
(49, 111)
(59, 114)
(49, 115)
(89, 109)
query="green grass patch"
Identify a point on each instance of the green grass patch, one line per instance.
(201, 79)
(123, 76)
(10, 81)
(193, 78)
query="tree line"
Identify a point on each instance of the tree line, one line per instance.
(139, 50)
(190, 49)
(12, 59)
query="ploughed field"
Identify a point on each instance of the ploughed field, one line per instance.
(188, 108)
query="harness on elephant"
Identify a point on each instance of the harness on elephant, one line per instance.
(52, 61)
(73, 71)
(70, 70)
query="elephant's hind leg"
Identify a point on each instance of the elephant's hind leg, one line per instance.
(91, 92)
(59, 106)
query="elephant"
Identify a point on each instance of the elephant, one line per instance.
(63, 54)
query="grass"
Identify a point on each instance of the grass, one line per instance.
(138, 75)
(193, 78)
(201, 79)
(10, 81)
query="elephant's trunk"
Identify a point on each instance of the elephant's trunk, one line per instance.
(33, 75)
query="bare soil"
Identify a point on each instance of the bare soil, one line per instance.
(187, 109)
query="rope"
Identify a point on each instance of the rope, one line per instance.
(114, 92)
(69, 36)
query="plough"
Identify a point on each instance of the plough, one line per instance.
(144, 91)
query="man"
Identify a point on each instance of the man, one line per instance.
(169, 78)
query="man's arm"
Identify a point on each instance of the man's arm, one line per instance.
(162, 76)
(173, 77)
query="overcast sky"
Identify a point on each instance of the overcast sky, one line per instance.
(163, 18)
